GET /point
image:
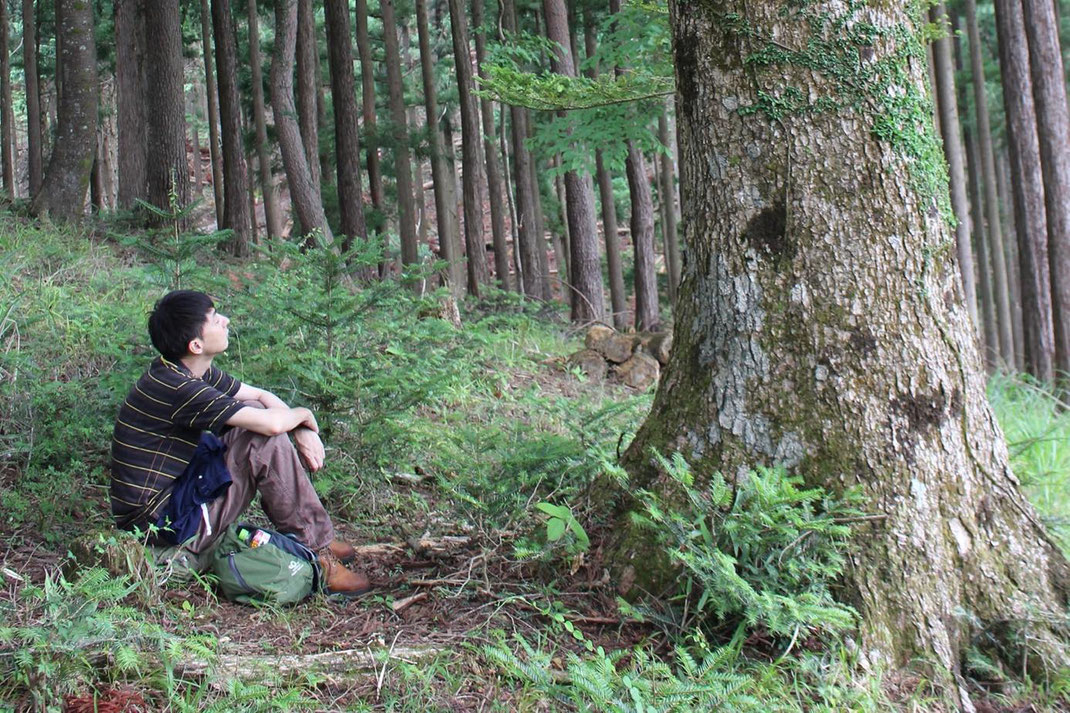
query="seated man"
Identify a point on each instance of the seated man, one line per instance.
(181, 397)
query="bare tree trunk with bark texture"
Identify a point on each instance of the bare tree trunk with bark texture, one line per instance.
(212, 91)
(272, 214)
(235, 173)
(303, 191)
(1028, 183)
(167, 166)
(63, 190)
(821, 327)
(449, 240)
(346, 137)
(33, 95)
(132, 119)
(585, 270)
(399, 126)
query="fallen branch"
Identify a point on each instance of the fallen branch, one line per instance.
(344, 662)
(401, 605)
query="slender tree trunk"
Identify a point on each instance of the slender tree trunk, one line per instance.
(1053, 132)
(33, 95)
(816, 331)
(213, 113)
(308, 67)
(272, 214)
(303, 192)
(471, 152)
(618, 298)
(647, 315)
(63, 189)
(503, 147)
(1010, 253)
(167, 166)
(367, 84)
(7, 114)
(445, 213)
(494, 170)
(944, 70)
(132, 118)
(193, 108)
(979, 236)
(235, 174)
(585, 270)
(399, 128)
(991, 194)
(668, 197)
(533, 282)
(560, 239)
(326, 175)
(1027, 181)
(347, 141)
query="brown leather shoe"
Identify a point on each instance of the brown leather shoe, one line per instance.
(339, 580)
(343, 551)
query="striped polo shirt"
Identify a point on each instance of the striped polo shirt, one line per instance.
(157, 431)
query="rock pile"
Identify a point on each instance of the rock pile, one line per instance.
(635, 359)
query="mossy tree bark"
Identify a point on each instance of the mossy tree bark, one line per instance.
(821, 327)
(66, 180)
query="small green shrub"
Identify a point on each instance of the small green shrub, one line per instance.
(760, 553)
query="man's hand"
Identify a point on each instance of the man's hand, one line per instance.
(310, 448)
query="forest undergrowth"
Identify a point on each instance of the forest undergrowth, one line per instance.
(462, 460)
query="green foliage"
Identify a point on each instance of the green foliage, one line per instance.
(561, 520)
(1037, 426)
(629, 680)
(759, 553)
(170, 251)
(61, 636)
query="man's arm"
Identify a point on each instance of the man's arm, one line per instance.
(277, 415)
(247, 392)
(274, 420)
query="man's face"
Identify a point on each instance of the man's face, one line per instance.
(215, 334)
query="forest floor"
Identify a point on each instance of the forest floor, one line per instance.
(442, 443)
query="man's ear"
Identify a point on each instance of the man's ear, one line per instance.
(195, 346)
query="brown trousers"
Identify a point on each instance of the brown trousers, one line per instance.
(268, 465)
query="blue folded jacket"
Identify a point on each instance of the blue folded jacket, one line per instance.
(205, 479)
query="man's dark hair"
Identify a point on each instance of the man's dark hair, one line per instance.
(177, 319)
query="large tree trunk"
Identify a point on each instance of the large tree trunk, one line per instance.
(821, 327)
(585, 270)
(167, 165)
(471, 152)
(449, 240)
(347, 141)
(63, 190)
(494, 170)
(33, 95)
(399, 128)
(1028, 183)
(308, 69)
(991, 200)
(303, 192)
(1053, 131)
(130, 98)
(235, 174)
(213, 112)
(272, 214)
(944, 70)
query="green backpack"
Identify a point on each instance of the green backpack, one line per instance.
(254, 564)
